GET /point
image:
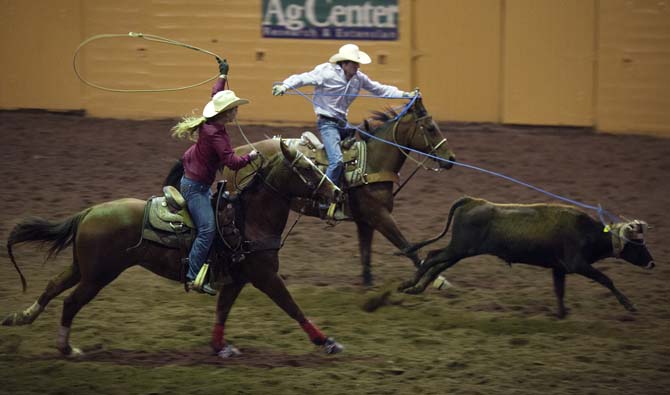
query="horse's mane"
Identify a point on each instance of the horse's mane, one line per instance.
(378, 119)
(385, 116)
(174, 176)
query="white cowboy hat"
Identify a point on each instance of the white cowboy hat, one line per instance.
(222, 101)
(352, 53)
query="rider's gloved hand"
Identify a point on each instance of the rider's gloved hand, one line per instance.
(253, 155)
(279, 89)
(223, 67)
(411, 94)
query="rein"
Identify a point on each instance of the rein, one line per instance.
(302, 176)
(221, 191)
(293, 166)
(265, 182)
(244, 136)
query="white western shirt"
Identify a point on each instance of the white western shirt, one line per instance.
(329, 83)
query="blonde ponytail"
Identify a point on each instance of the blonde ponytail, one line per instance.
(188, 128)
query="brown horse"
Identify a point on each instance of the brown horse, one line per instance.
(371, 204)
(105, 237)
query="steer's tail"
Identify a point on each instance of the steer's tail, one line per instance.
(415, 247)
(58, 235)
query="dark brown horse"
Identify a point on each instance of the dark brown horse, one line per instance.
(103, 239)
(371, 204)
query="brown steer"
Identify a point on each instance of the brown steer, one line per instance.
(554, 236)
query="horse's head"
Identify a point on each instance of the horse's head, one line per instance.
(310, 181)
(417, 130)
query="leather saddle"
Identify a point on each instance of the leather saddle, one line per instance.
(354, 156)
(167, 221)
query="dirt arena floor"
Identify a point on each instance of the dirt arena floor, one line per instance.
(492, 332)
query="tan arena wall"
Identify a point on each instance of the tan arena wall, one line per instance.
(600, 63)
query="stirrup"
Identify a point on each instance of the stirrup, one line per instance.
(202, 274)
(330, 214)
(205, 289)
(336, 213)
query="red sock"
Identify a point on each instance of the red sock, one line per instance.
(313, 332)
(217, 337)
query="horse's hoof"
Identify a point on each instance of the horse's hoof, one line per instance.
(76, 352)
(441, 283)
(413, 290)
(71, 352)
(10, 320)
(332, 347)
(631, 308)
(405, 285)
(229, 351)
(367, 278)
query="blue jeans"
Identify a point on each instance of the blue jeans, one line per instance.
(198, 200)
(332, 133)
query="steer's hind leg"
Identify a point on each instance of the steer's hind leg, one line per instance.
(436, 262)
(433, 258)
(598, 276)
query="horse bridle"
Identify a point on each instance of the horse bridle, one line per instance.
(323, 179)
(433, 148)
(293, 166)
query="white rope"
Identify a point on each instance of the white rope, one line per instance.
(149, 37)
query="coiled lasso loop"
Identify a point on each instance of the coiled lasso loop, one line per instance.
(148, 37)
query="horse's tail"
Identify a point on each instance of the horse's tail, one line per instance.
(415, 247)
(59, 235)
(174, 176)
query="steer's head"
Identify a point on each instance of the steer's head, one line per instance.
(628, 243)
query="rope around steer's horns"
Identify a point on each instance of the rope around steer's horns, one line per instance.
(149, 37)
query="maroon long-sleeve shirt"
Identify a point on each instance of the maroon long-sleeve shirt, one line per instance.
(212, 151)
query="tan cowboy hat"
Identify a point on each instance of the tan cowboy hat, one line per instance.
(222, 101)
(352, 53)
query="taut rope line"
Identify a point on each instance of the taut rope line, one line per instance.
(602, 213)
(148, 37)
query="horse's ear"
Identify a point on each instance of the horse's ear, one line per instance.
(288, 153)
(420, 108)
(367, 125)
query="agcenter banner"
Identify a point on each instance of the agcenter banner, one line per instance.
(330, 19)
